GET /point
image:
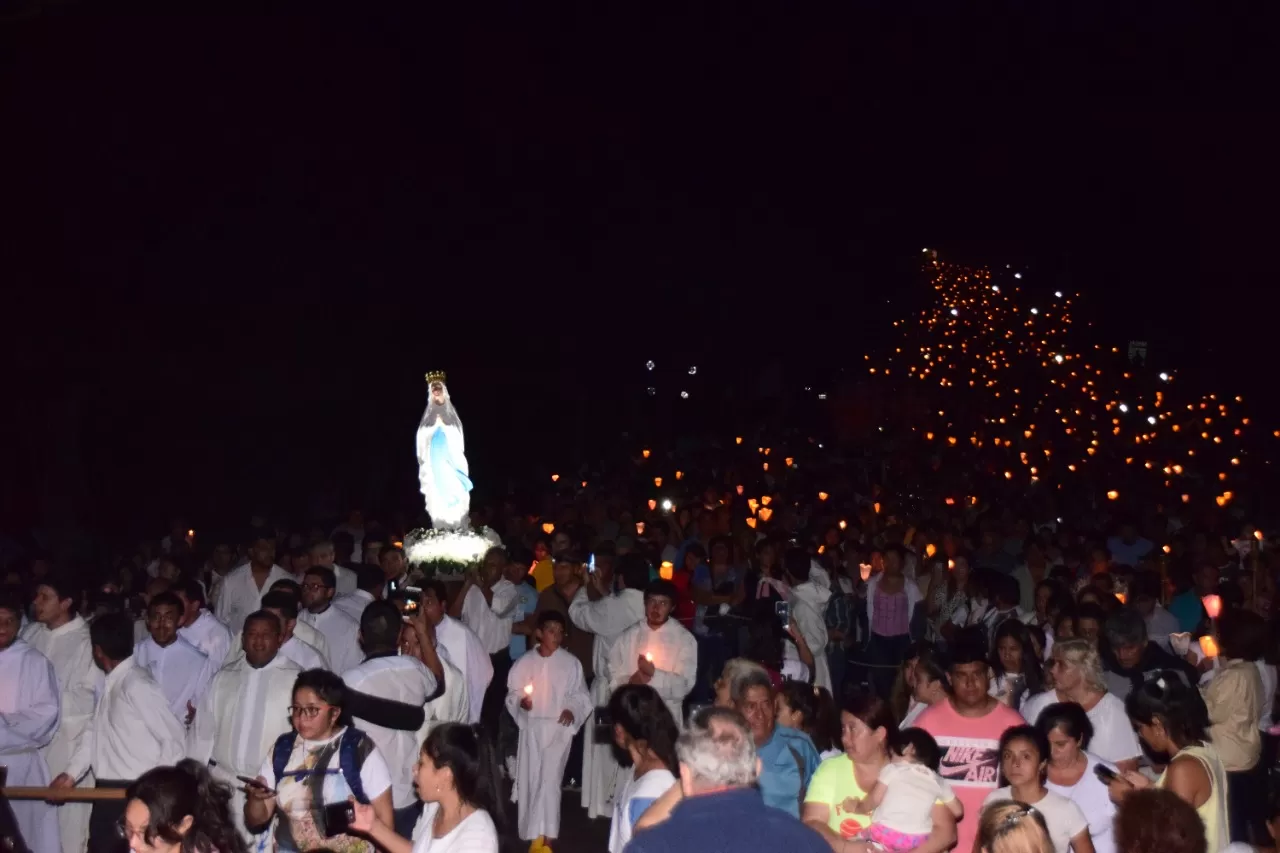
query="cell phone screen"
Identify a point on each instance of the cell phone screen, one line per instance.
(783, 609)
(337, 819)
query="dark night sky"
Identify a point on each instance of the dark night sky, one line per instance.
(233, 243)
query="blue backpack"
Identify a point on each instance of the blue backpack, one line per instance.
(348, 759)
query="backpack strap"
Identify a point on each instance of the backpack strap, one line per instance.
(280, 753)
(349, 748)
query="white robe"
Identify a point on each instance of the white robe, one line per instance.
(239, 719)
(341, 634)
(29, 705)
(300, 648)
(210, 636)
(675, 661)
(451, 706)
(607, 618)
(353, 603)
(181, 670)
(132, 730)
(558, 685)
(79, 684)
(344, 581)
(240, 594)
(808, 606)
(469, 657)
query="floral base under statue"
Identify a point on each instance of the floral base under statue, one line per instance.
(446, 553)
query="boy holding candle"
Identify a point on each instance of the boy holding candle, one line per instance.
(547, 696)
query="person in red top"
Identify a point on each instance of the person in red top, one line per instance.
(967, 727)
(682, 577)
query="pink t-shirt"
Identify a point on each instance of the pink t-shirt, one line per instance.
(970, 757)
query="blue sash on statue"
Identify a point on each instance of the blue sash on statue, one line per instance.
(450, 482)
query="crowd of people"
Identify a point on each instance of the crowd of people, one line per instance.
(850, 675)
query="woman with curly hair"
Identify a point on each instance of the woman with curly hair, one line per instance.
(179, 809)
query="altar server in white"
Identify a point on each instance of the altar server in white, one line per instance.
(245, 709)
(547, 696)
(606, 614)
(242, 588)
(464, 648)
(340, 631)
(28, 720)
(62, 636)
(181, 670)
(201, 628)
(657, 651)
(132, 729)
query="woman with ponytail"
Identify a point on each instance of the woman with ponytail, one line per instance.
(457, 777)
(180, 809)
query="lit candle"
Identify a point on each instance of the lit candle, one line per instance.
(666, 570)
(1121, 597)
(639, 528)
(548, 527)
(648, 656)
(528, 689)
(1209, 646)
(1212, 605)
(865, 569)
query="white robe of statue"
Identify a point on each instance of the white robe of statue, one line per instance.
(443, 474)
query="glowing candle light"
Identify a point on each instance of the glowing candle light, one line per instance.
(645, 453)
(639, 528)
(657, 481)
(876, 506)
(528, 689)
(1257, 534)
(765, 500)
(739, 488)
(1112, 495)
(751, 522)
(1212, 605)
(738, 440)
(666, 570)
(1122, 598)
(652, 504)
(548, 528)
(843, 524)
(865, 570)
(679, 475)
(648, 656)
(765, 513)
(555, 478)
(753, 504)
(930, 550)
(1209, 646)
(822, 496)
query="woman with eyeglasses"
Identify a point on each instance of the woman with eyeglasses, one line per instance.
(1024, 760)
(179, 809)
(322, 762)
(1172, 719)
(1077, 677)
(1010, 827)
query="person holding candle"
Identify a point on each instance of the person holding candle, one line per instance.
(673, 655)
(1129, 656)
(547, 696)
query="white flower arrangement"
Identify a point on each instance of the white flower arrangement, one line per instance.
(447, 552)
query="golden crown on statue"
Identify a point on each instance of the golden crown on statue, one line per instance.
(435, 376)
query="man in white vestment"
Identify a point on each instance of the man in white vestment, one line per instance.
(181, 670)
(285, 608)
(463, 646)
(547, 696)
(201, 628)
(657, 651)
(132, 729)
(387, 674)
(63, 637)
(28, 720)
(340, 631)
(486, 604)
(368, 589)
(245, 709)
(324, 554)
(242, 588)
(606, 614)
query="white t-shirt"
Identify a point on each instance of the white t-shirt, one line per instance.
(910, 791)
(374, 776)
(1095, 802)
(475, 834)
(1063, 817)
(631, 802)
(1113, 735)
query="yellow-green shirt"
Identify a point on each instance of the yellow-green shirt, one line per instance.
(835, 786)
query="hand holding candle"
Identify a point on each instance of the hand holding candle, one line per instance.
(645, 664)
(526, 702)
(1209, 646)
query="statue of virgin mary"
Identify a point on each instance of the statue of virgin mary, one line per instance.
(443, 474)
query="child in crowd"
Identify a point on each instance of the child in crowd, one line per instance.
(547, 696)
(901, 801)
(803, 707)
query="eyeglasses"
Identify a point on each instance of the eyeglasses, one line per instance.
(128, 833)
(307, 712)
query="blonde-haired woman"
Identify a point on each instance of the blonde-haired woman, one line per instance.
(1077, 677)
(1010, 827)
